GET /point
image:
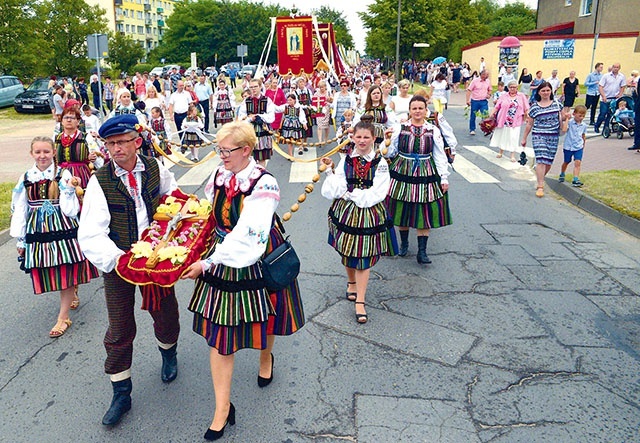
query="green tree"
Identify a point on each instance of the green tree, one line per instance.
(210, 27)
(513, 19)
(381, 17)
(124, 52)
(463, 27)
(65, 25)
(340, 26)
(23, 48)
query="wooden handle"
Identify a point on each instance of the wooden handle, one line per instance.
(153, 259)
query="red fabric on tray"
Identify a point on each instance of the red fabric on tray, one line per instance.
(165, 273)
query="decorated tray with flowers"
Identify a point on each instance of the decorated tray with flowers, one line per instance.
(177, 237)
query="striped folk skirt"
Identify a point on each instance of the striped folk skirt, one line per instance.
(233, 310)
(52, 253)
(264, 149)
(224, 112)
(361, 235)
(415, 197)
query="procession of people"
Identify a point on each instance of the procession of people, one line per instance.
(81, 209)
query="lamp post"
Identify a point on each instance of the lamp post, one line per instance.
(398, 42)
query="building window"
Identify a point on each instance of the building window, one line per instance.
(585, 7)
(568, 2)
(128, 29)
(140, 30)
(139, 15)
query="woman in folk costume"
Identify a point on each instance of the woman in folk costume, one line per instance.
(224, 102)
(44, 220)
(259, 110)
(418, 196)
(359, 227)
(382, 117)
(72, 149)
(126, 106)
(231, 305)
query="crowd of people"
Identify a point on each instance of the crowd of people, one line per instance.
(95, 188)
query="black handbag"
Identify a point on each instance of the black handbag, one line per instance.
(281, 266)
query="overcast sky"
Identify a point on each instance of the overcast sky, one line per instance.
(350, 8)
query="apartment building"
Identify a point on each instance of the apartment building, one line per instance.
(142, 20)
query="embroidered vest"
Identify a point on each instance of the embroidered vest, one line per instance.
(360, 175)
(227, 215)
(123, 227)
(78, 151)
(414, 140)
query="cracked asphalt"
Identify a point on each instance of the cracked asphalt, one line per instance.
(526, 328)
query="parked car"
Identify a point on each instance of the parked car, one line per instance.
(188, 72)
(169, 68)
(249, 69)
(10, 87)
(158, 70)
(35, 98)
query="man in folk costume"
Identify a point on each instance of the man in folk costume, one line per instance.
(119, 203)
(259, 110)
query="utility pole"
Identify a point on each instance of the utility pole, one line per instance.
(398, 43)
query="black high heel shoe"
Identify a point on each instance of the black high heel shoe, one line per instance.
(262, 382)
(361, 318)
(351, 296)
(212, 435)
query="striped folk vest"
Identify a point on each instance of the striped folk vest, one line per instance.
(123, 227)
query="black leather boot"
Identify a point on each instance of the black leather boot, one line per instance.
(120, 404)
(169, 364)
(422, 256)
(404, 243)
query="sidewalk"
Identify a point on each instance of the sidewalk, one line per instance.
(600, 155)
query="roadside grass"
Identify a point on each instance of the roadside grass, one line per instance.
(11, 114)
(617, 189)
(5, 204)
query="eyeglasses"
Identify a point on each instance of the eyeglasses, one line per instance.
(114, 143)
(69, 118)
(224, 153)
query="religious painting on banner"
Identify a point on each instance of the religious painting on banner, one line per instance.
(295, 46)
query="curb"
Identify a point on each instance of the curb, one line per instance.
(596, 208)
(4, 237)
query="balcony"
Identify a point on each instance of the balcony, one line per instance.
(147, 7)
(160, 11)
(148, 22)
(160, 23)
(119, 18)
(117, 2)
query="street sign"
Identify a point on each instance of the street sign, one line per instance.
(242, 50)
(97, 46)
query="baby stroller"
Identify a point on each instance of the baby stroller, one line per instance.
(615, 125)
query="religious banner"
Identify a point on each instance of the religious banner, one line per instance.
(295, 45)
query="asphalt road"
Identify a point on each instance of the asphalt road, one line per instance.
(526, 328)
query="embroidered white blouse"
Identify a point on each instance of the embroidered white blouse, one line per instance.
(335, 184)
(247, 241)
(68, 200)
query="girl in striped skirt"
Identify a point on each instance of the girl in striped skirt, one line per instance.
(294, 122)
(231, 305)
(359, 228)
(44, 221)
(418, 196)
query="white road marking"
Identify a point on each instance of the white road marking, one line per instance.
(199, 174)
(471, 172)
(303, 172)
(504, 162)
